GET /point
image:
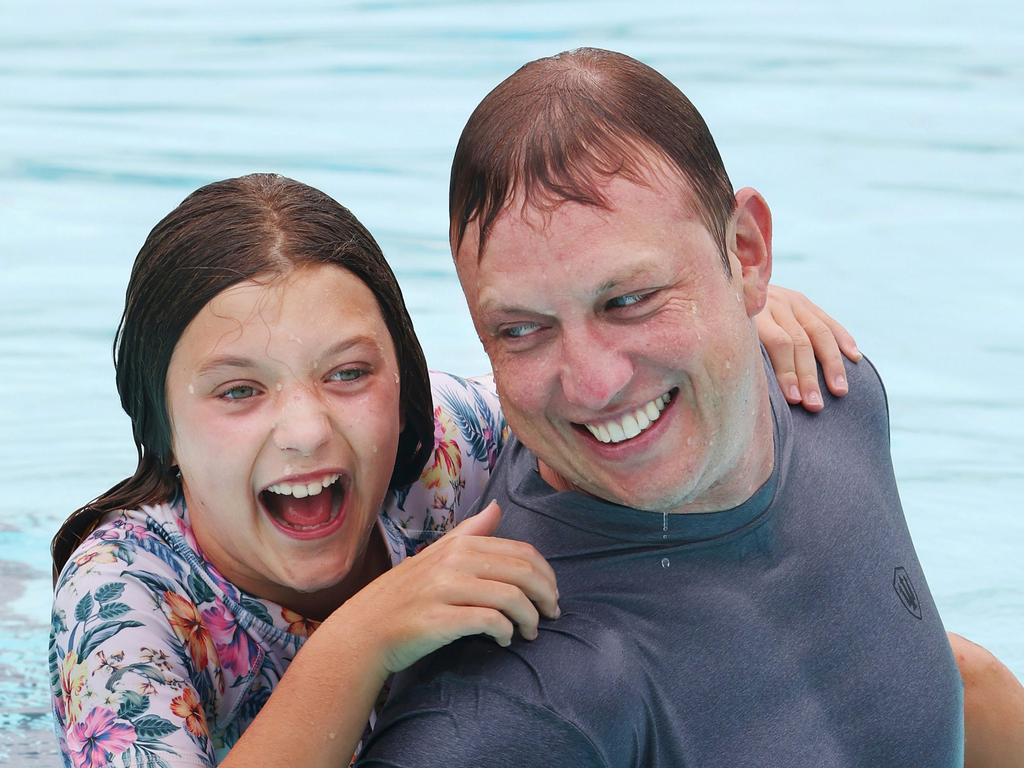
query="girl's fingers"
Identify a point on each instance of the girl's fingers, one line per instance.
(484, 523)
(831, 342)
(825, 349)
(473, 620)
(514, 562)
(524, 576)
(508, 600)
(843, 337)
(805, 372)
(798, 336)
(779, 345)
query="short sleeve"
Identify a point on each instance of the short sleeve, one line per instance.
(456, 724)
(127, 648)
(469, 433)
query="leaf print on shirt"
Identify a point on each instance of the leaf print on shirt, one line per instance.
(482, 427)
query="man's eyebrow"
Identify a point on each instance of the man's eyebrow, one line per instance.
(238, 361)
(632, 275)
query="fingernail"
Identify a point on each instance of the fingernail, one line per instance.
(558, 612)
(857, 353)
(814, 399)
(794, 393)
(839, 382)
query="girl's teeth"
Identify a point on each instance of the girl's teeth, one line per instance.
(302, 490)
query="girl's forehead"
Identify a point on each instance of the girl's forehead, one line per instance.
(309, 308)
(279, 292)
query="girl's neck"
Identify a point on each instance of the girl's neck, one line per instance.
(319, 605)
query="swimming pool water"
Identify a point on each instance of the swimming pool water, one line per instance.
(887, 138)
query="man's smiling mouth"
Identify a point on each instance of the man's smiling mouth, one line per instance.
(629, 425)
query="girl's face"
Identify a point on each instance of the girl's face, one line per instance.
(283, 395)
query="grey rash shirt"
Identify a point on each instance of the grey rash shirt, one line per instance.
(795, 630)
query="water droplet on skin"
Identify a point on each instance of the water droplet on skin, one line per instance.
(664, 525)
(279, 386)
(191, 389)
(665, 563)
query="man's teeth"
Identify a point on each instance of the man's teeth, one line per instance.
(302, 490)
(632, 424)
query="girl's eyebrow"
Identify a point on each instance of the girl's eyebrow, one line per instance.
(235, 361)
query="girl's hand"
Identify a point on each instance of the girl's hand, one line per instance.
(466, 583)
(795, 332)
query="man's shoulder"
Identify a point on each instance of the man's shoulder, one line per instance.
(864, 410)
(577, 679)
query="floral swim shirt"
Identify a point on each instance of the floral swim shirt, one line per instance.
(157, 660)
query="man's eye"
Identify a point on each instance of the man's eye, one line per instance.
(240, 392)
(519, 330)
(627, 300)
(347, 374)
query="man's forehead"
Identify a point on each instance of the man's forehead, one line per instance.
(544, 217)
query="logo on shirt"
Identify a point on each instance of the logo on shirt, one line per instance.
(905, 591)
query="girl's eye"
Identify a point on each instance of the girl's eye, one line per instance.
(347, 374)
(627, 300)
(520, 330)
(240, 392)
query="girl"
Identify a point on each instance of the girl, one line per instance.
(293, 455)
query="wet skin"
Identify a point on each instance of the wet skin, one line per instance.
(589, 314)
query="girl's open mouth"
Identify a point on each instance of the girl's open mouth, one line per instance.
(307, 510)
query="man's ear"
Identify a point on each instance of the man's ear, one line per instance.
(750, 247)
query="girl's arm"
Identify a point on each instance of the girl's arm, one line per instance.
(467, 583)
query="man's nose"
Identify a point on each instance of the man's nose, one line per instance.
(302, 425)
(593, 369)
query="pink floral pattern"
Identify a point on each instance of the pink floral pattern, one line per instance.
(99, 735)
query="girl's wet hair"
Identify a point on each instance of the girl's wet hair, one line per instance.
(221, 235)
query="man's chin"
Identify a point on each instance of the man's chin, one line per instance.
(626, 494)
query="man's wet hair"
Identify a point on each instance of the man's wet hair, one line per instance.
(560, 127)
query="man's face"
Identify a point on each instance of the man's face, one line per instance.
(624, 355)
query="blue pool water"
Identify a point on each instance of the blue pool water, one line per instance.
(888, 138)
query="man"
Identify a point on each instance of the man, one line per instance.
(738, 586)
